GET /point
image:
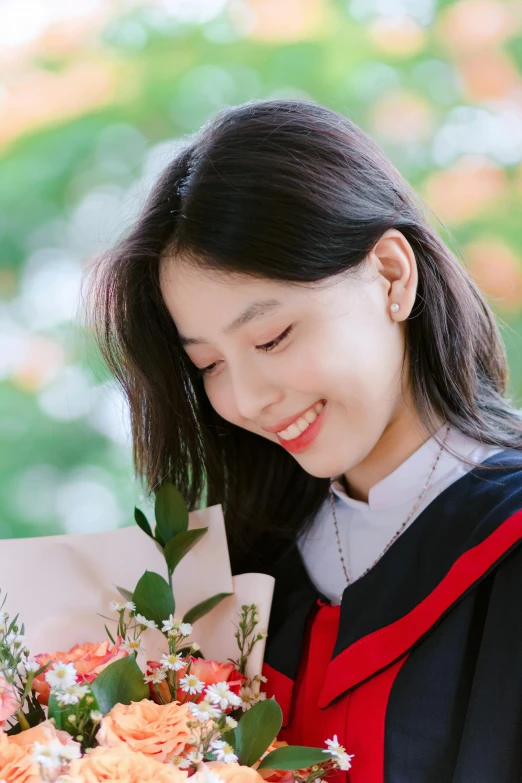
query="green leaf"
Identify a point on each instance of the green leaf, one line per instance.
(127, 594)
(109, 634)
(177, 547)
(142, 522)
(120, 683)
(200, 610)
(153, 598)
(256, 730)
(171, 512)
(294, 757)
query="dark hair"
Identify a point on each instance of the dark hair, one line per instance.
(292, 191)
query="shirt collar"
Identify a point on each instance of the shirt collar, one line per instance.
(404, 484)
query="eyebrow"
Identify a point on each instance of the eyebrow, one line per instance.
(253, 311)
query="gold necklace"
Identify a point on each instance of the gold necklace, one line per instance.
(399, 531)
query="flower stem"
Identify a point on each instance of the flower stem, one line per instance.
(22, 720)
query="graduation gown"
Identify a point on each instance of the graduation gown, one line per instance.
(419, 671)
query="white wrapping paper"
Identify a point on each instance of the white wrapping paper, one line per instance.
(59, 585)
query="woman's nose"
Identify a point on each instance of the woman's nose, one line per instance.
(253, 392)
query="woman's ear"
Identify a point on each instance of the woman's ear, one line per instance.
(394, 260)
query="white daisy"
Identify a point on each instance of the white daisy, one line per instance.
(220, 694)
(185, 629)
(230, 722)
(195, 757)
(95, 716)
(61, 675)
(203, 711)
(342, 758)
(53, 754)
(30, 665)
(249, 697)
(181, 762)
(223, 751)
(72, 695)
(132, 645)
(170, 625)
(116, 606)
(175, 662)
(141, 620)
(190, 684)
(14, 639)
(156, 676)
(205, 775)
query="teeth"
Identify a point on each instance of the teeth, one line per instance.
(302, 423)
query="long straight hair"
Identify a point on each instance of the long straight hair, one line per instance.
(292, 191)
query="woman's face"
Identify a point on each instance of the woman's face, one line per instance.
(315, 368)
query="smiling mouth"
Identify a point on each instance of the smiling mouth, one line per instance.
(302, 423)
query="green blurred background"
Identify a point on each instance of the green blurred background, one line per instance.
(93, 98)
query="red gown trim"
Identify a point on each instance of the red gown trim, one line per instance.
(374, 652)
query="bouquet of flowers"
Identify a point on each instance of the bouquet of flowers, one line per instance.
(92, 714)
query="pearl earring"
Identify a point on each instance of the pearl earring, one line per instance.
(394, 307)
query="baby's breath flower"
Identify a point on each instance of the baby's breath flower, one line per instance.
(95, 716)
(185, 629)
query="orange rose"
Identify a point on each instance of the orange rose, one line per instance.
(159, 731)
(229, 773)
(89, 660)
(16, 764)
(8, 700)
(124, 765)
(209, 672)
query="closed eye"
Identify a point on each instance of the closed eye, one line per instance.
(267, 347)
(274, 343)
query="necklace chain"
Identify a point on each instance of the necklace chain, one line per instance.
(399, 531)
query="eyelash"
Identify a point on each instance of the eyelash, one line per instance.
(267, 347)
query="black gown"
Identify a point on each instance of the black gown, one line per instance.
(419, 671)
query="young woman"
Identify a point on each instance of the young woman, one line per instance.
(297, 344)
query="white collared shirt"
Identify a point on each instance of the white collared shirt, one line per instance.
(365, 528)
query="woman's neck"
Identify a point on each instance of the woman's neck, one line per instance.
(398, 442)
